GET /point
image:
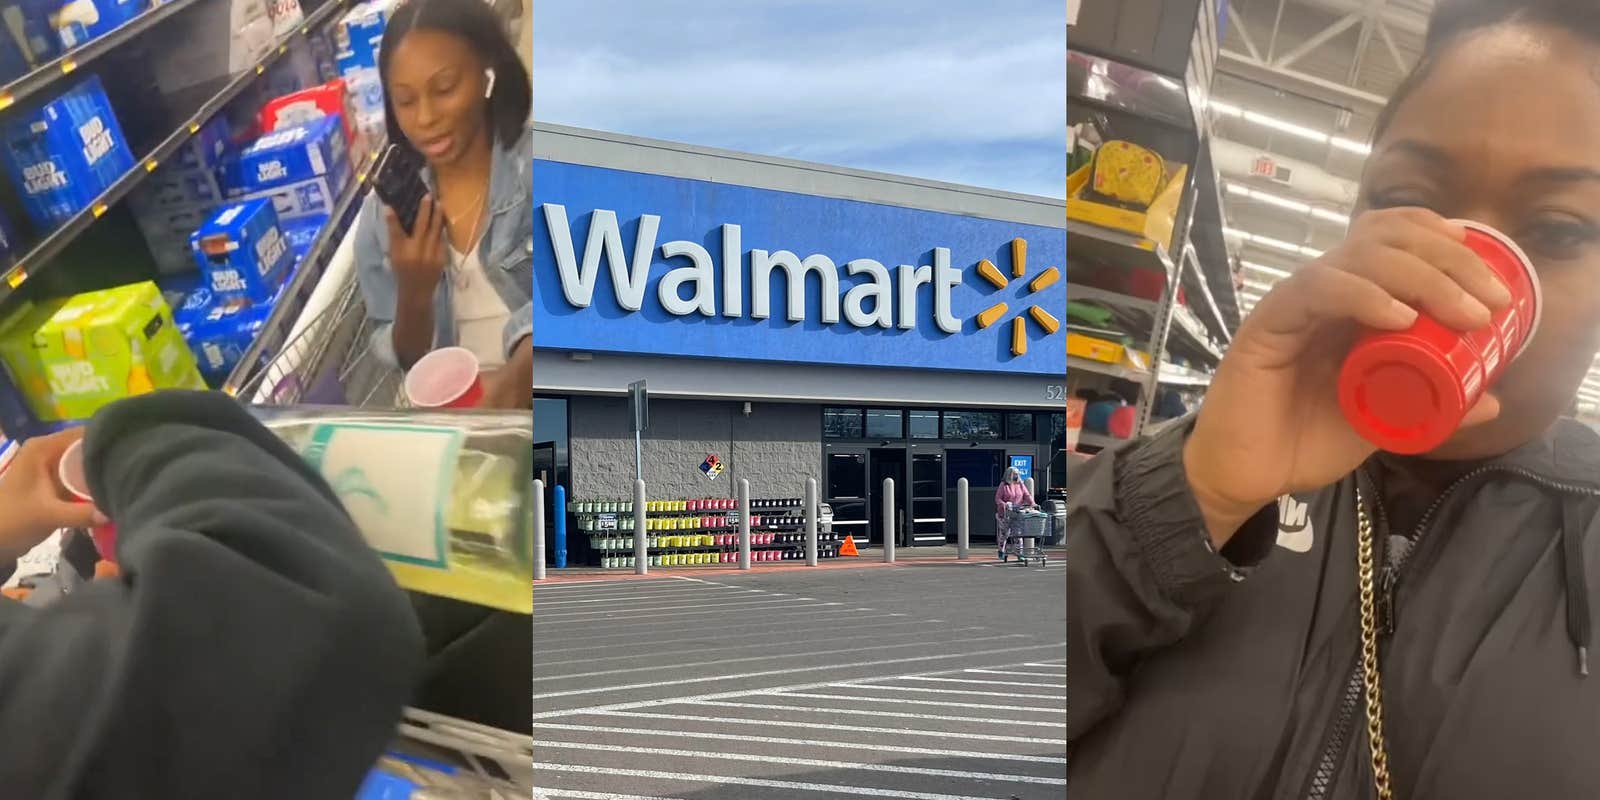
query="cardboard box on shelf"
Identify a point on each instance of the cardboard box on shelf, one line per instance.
(74, 356)
(286, 16)
(219, 331)
(243, 250)
(64, 153)
(220, 38)
(77, 22)
(358, 34)
(302, 169)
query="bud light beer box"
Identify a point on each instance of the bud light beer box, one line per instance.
(65, 153)
(219, 332)
(358, 34)
(301, 168)
(73, 356)
(243, 251)
(79, 21)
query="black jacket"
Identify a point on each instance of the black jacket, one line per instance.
(255, 647)
(1201, 676)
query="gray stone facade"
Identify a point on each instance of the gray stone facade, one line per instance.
(777, 447)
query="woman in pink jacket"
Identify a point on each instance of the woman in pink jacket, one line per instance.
(1012, 492)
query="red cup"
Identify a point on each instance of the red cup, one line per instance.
(445, 378)
(1407, 391)
(69, 471)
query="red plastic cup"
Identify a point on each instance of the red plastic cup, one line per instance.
(70, 472)
(1407, 391)
(445, 378)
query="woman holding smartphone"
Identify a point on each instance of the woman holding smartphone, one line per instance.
(1224, 643)
(457, 95)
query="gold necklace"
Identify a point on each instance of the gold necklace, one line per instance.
(1369, 651)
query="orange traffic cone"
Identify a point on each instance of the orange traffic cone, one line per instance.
(849, 547)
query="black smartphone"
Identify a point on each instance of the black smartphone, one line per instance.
(397, 179)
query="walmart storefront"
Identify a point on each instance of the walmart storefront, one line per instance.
(793, 320)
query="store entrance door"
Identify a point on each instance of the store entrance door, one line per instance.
(928, 527)
(983, 468)
(886, 462)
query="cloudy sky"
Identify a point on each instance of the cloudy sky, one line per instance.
(952, 90)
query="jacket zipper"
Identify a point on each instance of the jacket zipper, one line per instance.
(1322, 778)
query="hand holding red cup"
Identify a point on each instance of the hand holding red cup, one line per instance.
(69, 470)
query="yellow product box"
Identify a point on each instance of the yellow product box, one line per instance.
(1094, 349)
(72, 357)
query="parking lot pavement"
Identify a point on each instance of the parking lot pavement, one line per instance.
(928, 682)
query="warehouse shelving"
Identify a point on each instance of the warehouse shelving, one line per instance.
(46, 74)
(1168, 104)
(39, 257)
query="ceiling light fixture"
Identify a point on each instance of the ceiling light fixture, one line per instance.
(1340, 142)
(1276, 244)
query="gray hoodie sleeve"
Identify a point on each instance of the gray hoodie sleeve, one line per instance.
(1141, 573)
(255, 647)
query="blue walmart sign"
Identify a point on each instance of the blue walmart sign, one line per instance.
(636, 263)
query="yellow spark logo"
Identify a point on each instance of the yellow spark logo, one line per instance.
(1019, 269)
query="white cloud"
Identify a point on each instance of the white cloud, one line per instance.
(937, 90)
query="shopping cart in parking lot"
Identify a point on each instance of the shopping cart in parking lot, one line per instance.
(1029, 527)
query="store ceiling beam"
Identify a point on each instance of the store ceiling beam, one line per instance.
(1247, 39)
(1321, 38)
(1333, 93)
(1400, 62)
(1396, 18)
(1369, 21)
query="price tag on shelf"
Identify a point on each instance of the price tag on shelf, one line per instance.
(606, 522)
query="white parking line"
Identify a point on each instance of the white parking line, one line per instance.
(786, 637)
(789, 656)
(791, 671)
(983, 681)
(1057, 665)
(731, 780)
(633, 637)
(827, 726)
(631, 705)
(781, 606)
(1007, 672)
(985, 706)
(599, 613)
(575, 794)
(676, 594)
(856, 712)
(735, 737)
(964, 692)
(807, 762)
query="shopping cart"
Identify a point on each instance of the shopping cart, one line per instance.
(328, 361)
(1030, 525)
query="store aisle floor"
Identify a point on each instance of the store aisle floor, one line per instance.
(927, 682)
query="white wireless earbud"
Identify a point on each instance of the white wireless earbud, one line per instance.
(488, 91)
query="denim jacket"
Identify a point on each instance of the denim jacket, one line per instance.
(506, 252)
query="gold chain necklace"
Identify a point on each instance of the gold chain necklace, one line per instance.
(1369, 651)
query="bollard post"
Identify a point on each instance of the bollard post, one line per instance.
(963, 526)
(641, 539)
(561, 527)
(1030, 488)
(811, 522)
(744, 523)
(538, 529)
(888, 521)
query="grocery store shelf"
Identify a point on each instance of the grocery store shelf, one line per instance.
(46, 74)
(1193, 334)
(1117, 248)
(39, 257)
(1079, 292)
(275, 331)
(1102, 368)
(1193, 270)
(1174, 375)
